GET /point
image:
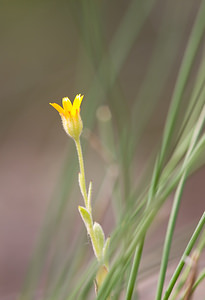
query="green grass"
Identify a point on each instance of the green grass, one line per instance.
(176, 153)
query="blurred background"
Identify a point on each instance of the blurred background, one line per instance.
(124, 57)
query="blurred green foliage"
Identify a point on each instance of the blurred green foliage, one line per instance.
(133, 57)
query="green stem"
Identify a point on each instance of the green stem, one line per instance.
(192, 47)
(186, 253)
(186, 272)
(82, 171)
(193, 44)
(175, 207)
(139, 248)
(201, 243)
(97, 251)
(198, 280)
(134, 271)
(169, 236)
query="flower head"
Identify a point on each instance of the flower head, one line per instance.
(70, 115)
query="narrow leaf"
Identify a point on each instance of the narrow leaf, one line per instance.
(89, 195)
(80, 183)
(105, 251)
(87, 219)
(99, 235)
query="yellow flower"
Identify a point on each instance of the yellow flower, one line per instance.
(70, 115)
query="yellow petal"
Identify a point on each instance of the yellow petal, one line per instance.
(67, 105)
(77, 102)
(57, 107)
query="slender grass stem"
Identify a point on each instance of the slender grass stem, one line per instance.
(148, 218)
(188, 59)
(201, 243)
(193, 44)
(200, 278)
(189, 268)
(169, 235)
(134, 271)
(139, 249)
(182, 260)
(175, 208)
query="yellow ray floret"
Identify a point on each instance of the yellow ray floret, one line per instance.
(70, 115)
(58, 108)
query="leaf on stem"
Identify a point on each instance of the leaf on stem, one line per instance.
(105, 251)
(87, 219)
(89, 195)
(80, 180)
(99, 236)
(100, 277)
